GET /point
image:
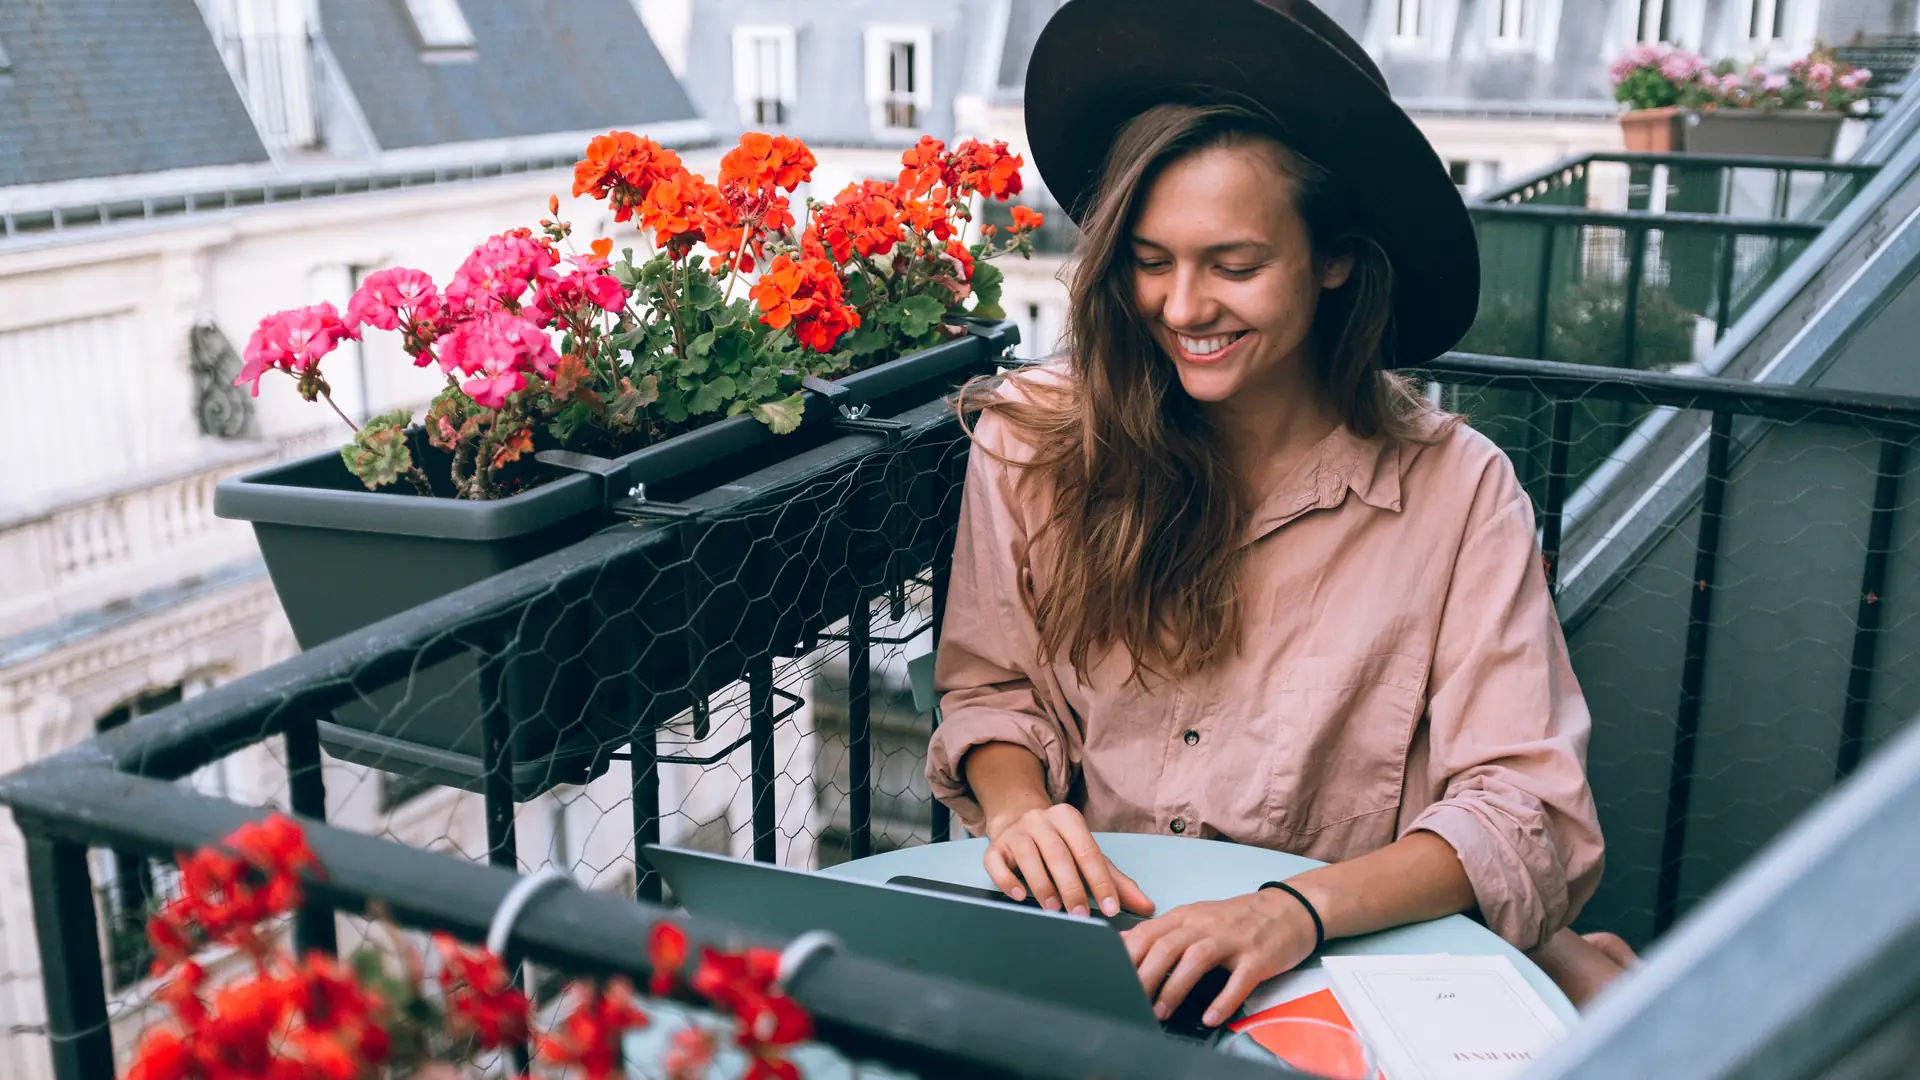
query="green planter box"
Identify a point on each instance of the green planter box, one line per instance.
(342, 557)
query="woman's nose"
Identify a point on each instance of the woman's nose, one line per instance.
(1187, 305)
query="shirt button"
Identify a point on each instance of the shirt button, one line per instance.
(1192, 737)
(1177, 826)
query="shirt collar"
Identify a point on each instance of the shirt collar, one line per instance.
(1341, 463)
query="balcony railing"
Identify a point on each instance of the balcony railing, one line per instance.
(636, 639)
(1635, 261)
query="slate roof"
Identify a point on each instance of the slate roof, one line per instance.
(107, 88)
(540, 67)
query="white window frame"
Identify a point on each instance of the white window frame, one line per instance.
(751, 90)
(886, 105)
(1409, 22)
(1787, 28)
(1649, 15)
(1514, 25)
(443, 28)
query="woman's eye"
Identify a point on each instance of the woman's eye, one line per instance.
(1151, 266)
(1239, 273)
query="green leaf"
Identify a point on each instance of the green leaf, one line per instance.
(378, 454)
(866, 341)
(919, 314)
(782, 416)
(988, 280)
(711, 395)
(701, 345)
(702, 294)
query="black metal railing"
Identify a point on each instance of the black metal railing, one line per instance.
(1636, 261)
(639, 632)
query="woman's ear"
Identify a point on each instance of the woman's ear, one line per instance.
(1336, 272)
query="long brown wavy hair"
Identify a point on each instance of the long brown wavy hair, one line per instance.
(1142, 545)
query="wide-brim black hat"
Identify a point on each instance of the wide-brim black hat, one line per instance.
(1099, 63)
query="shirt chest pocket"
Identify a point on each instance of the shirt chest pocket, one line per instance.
(1335, 740)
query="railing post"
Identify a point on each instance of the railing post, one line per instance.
(71, 974)
(1873, 585)
(1630, 317)
(760, 732)
(496, 759)
(313, 926)
(860, 726)
(1729, 249)
(942, 579)
(1693, 671)
(644, 758)
(1553, 507)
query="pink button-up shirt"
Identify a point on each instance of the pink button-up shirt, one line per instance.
(1401, 668)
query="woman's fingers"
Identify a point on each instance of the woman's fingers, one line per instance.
(1198, 958)
(1089, 862)
(1032, 866)
(1002, 873)
(1070, 894)
(1129, 893)
(1239, 984)
(1159, 962)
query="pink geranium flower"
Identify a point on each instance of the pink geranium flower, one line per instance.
(390, 298)
(292, 341)
(497, 274)
(564, 297)
(497, 350)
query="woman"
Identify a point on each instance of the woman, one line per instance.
(1222, 575)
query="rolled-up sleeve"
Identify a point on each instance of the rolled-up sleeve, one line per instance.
(1509, 729)
(993, 688)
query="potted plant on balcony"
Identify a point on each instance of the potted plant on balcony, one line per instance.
(1677, 102)
(232, 1000)
(573, 376)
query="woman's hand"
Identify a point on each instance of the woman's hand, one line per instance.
(1254, 937)
(1054, 851)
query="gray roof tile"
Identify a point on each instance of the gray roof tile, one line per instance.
(106, 88)
(539, 67)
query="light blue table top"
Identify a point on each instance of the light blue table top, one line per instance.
(1175, 871)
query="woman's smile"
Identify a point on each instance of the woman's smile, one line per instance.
(1210, 349)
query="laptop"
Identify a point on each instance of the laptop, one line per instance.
(974, 935)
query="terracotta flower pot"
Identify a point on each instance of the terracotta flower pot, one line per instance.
(1743, 132)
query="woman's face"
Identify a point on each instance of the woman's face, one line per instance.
(1225, 276)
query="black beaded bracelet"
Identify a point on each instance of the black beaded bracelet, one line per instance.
(1319, 928)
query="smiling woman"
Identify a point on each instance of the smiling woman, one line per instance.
(1224, 575)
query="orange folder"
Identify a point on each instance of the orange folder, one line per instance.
(1320, 1005)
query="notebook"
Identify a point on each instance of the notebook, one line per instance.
(1444, 1017)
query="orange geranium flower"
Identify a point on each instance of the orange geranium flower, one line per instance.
(988, 168)
(807, 295)
(932, 215)
(865, 218)
(764, 162)
(622, 167)
(684, 207)
(926, 165)
(1026, 219)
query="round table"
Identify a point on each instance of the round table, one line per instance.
(1175, 871)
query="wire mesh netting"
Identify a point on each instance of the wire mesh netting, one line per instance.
(731, 666)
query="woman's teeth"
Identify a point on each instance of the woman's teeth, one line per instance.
(1207, 345)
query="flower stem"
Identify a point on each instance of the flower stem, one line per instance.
(328, 394)
(420, 482)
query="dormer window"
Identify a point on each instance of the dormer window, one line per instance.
(443, 29)
(899, 78)
(764, 82)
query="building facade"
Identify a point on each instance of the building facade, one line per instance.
(169, 173)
